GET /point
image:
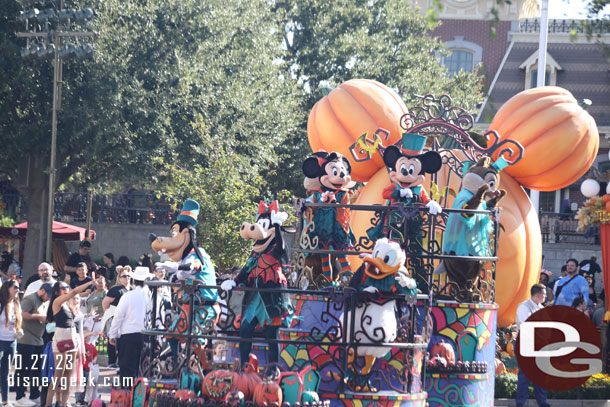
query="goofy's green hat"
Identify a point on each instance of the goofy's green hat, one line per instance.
(189, 212)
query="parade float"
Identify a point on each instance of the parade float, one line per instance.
(385, 298)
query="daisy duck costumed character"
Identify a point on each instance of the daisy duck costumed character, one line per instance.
(192, 264)
(376, 315)
(467, 234)
(263, 270)
(331, 225)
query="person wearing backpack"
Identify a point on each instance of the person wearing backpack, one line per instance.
(571, 286)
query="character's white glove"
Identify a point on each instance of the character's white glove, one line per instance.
(228, 285)
(405, 281)
(434, 207)
(169, 266)
(184, 274)
(406, 193)
(278, 217)
(371, 289)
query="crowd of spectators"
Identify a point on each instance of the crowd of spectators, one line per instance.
(51, 323)
(574, 288)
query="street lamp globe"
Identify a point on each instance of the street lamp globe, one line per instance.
(589, 188)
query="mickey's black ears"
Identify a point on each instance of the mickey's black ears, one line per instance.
(390, 156)
(311, 168)
(431, 162)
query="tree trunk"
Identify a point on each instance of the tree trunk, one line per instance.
(36, 237)
(34, 189)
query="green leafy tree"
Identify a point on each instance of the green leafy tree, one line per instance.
(226, 191)
(128, 113)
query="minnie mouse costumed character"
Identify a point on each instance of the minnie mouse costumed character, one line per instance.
(332, 227)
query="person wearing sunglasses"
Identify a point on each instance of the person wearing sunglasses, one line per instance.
(66, 342)
(109, 304)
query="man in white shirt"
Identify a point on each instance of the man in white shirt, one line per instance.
(524, 310)
(44, 276)
(129, 322)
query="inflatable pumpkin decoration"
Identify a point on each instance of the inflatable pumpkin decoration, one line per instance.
(560, 138)
(560, 141)
(355, 107)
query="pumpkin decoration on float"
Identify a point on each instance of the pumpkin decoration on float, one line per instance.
(354, 108)
(542, 119)
(235, 398)
(185, 394)
(444, 350)
(269, 390)
(560, 138)
(220, 382)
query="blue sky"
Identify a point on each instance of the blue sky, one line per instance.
(571, 9)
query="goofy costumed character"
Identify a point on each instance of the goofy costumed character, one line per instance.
(263, 269)
(193, 264)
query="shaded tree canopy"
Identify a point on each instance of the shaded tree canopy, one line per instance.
(189, 95)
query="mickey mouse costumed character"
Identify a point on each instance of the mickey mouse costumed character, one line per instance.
(263, 269)
(332, 226)
(407, 167)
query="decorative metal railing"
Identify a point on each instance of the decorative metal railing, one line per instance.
(563, 228)
(189, 335)
(116, 208)
(566, 26)
(423, 249)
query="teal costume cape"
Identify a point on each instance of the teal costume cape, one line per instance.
(467, 236)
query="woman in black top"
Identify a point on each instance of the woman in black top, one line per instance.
(62, 311)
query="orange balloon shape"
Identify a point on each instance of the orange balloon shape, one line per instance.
(560, 138)
(355, 107)
(519, 246)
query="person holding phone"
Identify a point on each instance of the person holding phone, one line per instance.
(66, 341)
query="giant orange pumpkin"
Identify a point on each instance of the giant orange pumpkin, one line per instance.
(519, 246)
(559, 137)
(355, 107)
